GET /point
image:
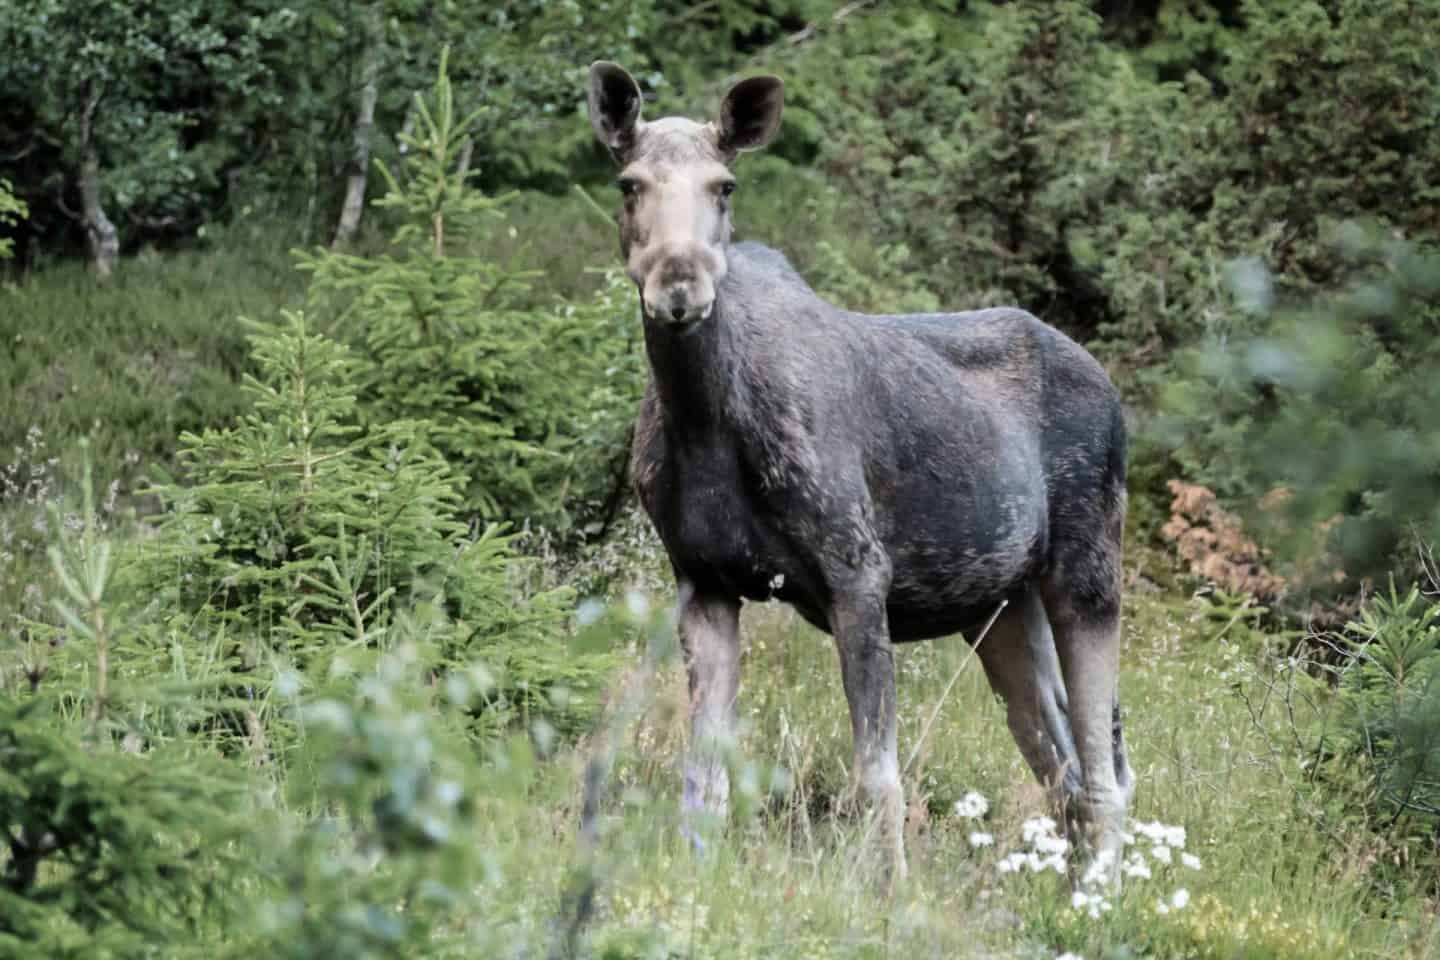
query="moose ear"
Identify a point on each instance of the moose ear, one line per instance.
(750, 114)
(614, 102)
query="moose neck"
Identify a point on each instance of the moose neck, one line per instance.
(694, 370)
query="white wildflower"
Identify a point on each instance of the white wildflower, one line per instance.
(1049, 843)
(979, 838)
(1095, 874)
(1092, 903)
(1161, 834)
(1180, 899)
(1190, 860)
(1069, 956)
(1136, 867)
(971, 806)
(1011, 863)
(1054, 862)
(1161, 853)
(1031, 830)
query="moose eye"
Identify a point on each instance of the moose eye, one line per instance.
(727, 188)
(627, 187)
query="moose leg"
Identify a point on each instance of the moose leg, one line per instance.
(867, 666)
(710, 640)
(1021, 664)
(1088, 643)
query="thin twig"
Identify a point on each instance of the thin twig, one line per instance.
(964, 661)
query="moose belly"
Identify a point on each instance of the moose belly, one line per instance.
(954, 554)
(951, 569)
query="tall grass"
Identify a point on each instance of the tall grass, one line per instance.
(1281, 873)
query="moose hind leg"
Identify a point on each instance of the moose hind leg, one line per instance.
(1124, 776)
(1023, 670)
(710, 640)
(1085, 617)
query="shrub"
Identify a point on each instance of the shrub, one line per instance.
(388, 851)
(12, 211)
(1329, 412)
(529, 405)
(1390, 691)
(116, 844)
(303, 537)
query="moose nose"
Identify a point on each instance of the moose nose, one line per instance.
(677, 313)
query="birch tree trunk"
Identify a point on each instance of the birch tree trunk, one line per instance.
(100, 233)
(364, 129)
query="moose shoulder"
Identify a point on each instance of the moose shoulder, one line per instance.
(891, 477)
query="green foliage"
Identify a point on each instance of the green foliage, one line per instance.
(110, 851)
(1391, 694)
(530, 404)
(1332, 405)
(522, 64)
(101, 75)
(114, 845)
(1020, 157)
(961, 136)
(12, 212)
(381, 871)
(304, 537)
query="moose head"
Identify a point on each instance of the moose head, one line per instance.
(675, 184)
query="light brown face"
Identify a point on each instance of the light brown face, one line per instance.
(675, 219)
(675, 185)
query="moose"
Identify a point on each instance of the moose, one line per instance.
(892, 477)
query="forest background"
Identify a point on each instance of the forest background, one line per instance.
(329, 627)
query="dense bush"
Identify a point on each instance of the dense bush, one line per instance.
(1328, 411)
(301, 538)
(12, 211)
(118, 835)
(1021, 156)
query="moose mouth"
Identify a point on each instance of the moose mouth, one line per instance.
(684, 326)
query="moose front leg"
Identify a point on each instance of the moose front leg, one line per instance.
(710, 639)
(867, 666)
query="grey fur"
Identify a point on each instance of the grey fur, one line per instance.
(891, 477)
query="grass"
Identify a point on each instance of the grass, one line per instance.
(133, 361)
(1219, 747)
(1281, 874)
